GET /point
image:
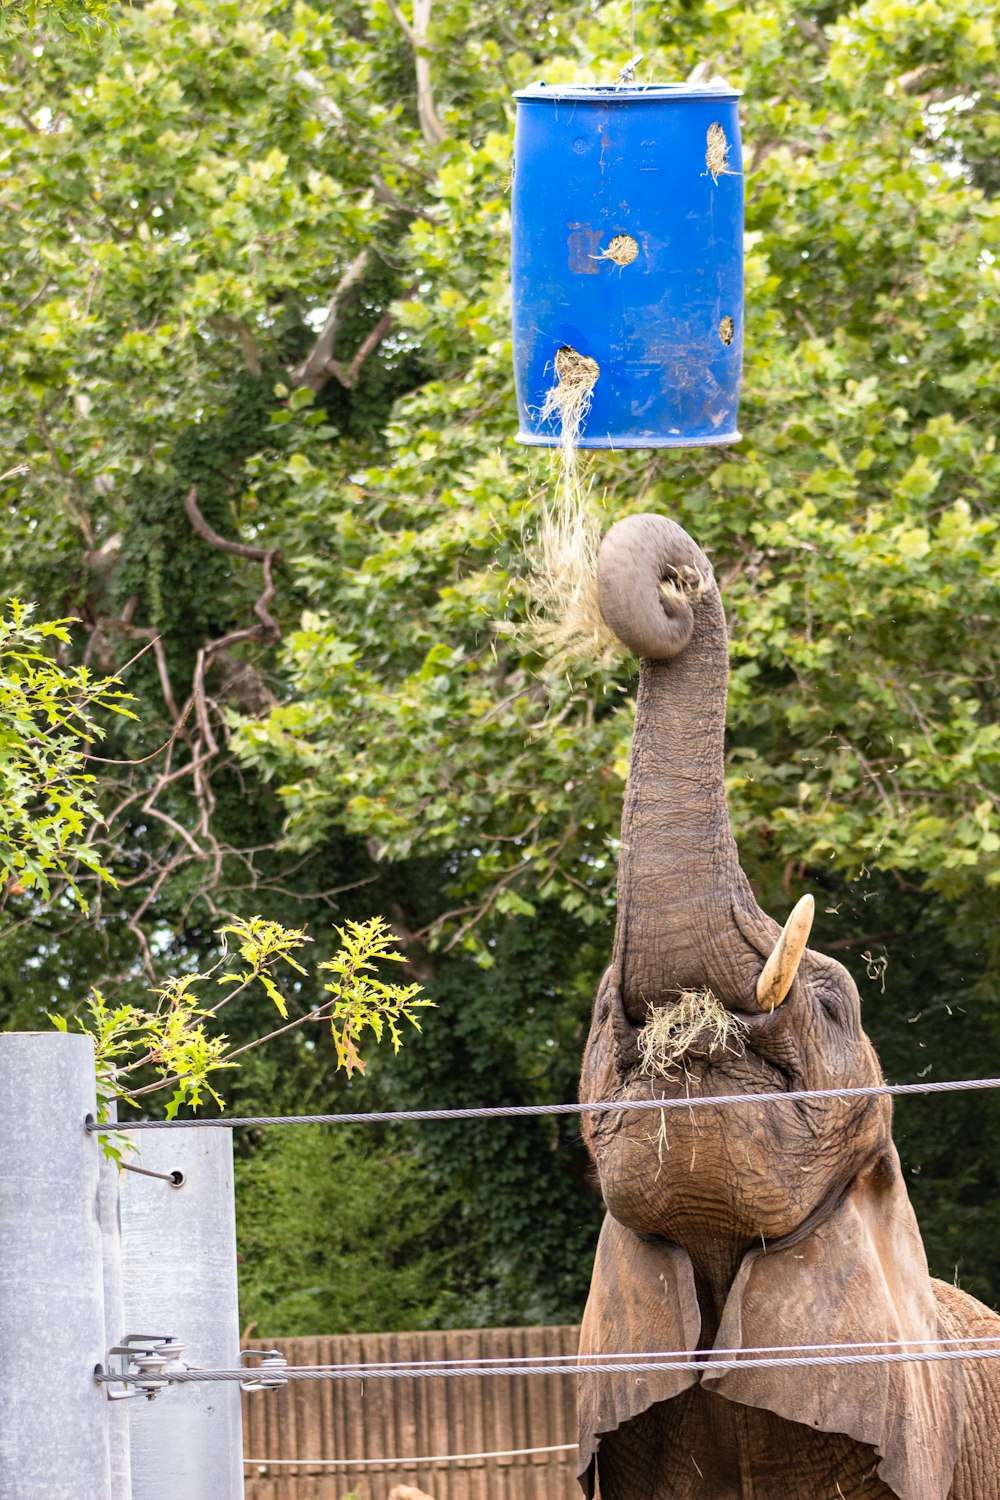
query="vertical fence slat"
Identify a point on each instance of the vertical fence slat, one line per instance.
(402, 1419)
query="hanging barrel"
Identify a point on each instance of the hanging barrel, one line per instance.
(627, 211)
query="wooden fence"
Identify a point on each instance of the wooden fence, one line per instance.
(401, 1420)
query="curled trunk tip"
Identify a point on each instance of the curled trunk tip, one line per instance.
(649, 572)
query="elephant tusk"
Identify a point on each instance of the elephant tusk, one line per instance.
(778, 974)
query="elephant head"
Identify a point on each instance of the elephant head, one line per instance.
(736, 1226)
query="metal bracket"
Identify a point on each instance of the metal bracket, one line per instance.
(146, 1363)
(626, 78)
(269, 1375)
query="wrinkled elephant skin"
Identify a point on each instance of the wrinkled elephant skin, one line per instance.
(742, 1227)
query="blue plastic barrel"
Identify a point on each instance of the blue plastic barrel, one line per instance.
(627, 232)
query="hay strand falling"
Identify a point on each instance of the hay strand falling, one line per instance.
(569, 399)
(696, 1025)
(565, 619)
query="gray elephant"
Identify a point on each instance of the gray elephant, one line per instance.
(749, 1226)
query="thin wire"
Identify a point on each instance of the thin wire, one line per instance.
(625, 1366)
(513, 1111)
(174, 1178)
(398, 1463)
(569, 1363)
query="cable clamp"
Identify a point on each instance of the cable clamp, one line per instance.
(143, 1364)
(269, 1375)
(626, 78)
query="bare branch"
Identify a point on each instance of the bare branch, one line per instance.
(349, 377)
(813, 32)
(402, 22)
(209, 534)
(123, 626)
(383, 193)
(247, 342)
(416, 34)
(314, 371)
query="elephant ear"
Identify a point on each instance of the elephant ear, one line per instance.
(859, 1276)
(642, 1301)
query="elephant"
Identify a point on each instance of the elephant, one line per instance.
(744, 1227)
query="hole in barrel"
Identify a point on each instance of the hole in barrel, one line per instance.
(575, 369)
(716, 151)
(727, 330)
(622, 250)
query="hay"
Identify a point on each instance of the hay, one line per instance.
(565, 619)
(622, 250)
(569, 399)
(696, 1025)
(717, 153)
(685, 582)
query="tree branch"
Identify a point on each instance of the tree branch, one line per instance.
(314, 371)
(813, 32)
(247, 342)
(416, 34)
(349, 377)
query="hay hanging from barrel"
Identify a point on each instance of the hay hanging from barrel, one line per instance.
(565, 619)
(622, 250)
(569, 399)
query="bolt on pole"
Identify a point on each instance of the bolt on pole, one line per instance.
(53, 1416)
(179, 1261)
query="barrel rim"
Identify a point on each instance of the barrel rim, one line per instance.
(609, 93)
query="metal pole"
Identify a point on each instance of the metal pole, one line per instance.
(109, 1214)
(53, 1417)
(179, 1253)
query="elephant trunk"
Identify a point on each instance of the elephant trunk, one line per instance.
(685, 909)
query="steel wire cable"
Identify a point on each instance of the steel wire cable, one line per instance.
(580, 1366)
(511, 1111)
(404, 1459)
(569, 1363)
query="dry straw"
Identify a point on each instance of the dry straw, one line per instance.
(717, 152)
(569, 399)
(695, 1025)
(565, 621)
(622, 250)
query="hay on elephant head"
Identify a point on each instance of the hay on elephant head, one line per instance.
(696, 1024)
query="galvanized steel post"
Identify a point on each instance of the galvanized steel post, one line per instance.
(179, 1256)
(109, 1214)
(53, 1416)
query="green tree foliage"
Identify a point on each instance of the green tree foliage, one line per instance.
(373, 1249)
(174, 1040)
(253, 276)
(48, 726)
